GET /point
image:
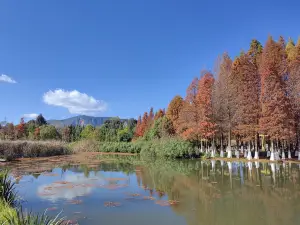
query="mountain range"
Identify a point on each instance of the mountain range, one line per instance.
(79, 120)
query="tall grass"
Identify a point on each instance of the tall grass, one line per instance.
(15, 149)
(7, 189)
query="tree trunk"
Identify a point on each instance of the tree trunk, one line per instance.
(272, 157)
(229, 152)
(289, 154)
(249, 156)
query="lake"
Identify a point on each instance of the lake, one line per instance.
(128, 190)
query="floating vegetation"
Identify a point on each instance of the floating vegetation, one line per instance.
(146, 188)
(74, 202)
(114, 186)
(52, 209)
(149, 198)
(46, 193)
(49, 174)
(70, 222)
(112, 204)
(134, 194)
(61, 182)
(116, 179)
(167, 202)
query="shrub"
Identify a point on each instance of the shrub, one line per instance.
(48, 132)
(88, 132)
(170, 148)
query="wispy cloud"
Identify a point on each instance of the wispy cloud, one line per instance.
(75, 102)
(30, 116)
(7, 79)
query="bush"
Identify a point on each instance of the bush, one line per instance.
(87, 132)
(170, 148)
(48, 132)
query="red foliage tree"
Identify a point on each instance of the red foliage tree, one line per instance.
(160, 113)
(276, 118)
(150, 118)
(174, 110)
(224, 97)
(189, 119)
(207, 126)
(246, 116)
(144, 124)
(21, 128)
(294, 83)
(138, 131)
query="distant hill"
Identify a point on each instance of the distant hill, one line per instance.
(79, 120)
(3, 123)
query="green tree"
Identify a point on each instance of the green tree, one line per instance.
(48, 132)
(40, 120)
(30, 128)
(162, 127)
(125, 135)
(88, 132)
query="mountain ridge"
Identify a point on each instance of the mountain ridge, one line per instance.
(80, 120)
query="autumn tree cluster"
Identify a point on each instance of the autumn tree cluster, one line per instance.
(255, 95)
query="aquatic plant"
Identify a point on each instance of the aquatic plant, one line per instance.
(7, 188)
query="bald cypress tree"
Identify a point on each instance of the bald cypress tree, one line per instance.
(247, 100)
(276, 119)
(190, 114)
(174, 110)
(207, 126)
(225, 93)
(294, 84)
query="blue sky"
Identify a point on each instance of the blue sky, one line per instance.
(119, 58)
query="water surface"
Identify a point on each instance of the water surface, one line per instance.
(131, 191)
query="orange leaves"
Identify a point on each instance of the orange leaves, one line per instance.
(277, 119)
(207, 127)
(174, 109)
(196, 117)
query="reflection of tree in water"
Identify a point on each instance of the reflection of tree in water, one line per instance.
(214, 194)
(210, 192)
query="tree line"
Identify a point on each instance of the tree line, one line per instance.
(113, 130)
(252, 101)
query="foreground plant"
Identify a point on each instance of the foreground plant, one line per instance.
(11, 213)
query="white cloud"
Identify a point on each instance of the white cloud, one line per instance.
(30, 116)
(75, 102)
(7, 79)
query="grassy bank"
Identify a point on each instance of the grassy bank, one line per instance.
(10, 150)
(170, 148)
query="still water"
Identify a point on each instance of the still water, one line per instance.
(129, 191)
